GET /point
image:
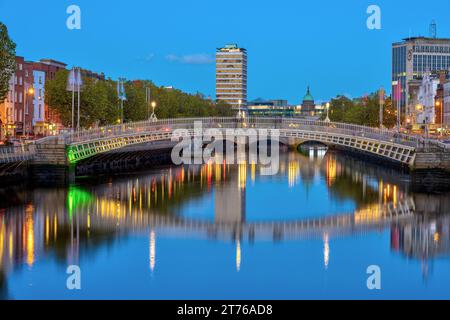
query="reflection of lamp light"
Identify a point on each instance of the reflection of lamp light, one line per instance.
(238, 256)
(326, 250)
(327, 119)
(152, 250)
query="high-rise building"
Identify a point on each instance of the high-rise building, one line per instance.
(412, 59)
(231, 75)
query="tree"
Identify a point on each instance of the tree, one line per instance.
(338, 108)
(100, 104)
(365, 112)
(7, 60)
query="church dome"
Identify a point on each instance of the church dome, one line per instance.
(308, 96)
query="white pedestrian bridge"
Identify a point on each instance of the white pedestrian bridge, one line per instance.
(73, 147)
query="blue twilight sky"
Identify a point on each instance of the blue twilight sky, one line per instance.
(290, 43)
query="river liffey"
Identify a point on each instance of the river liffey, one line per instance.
(228, 232)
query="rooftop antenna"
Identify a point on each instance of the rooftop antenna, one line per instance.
(433, 29)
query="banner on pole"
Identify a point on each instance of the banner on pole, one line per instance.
(71, 80)
(121, 91)
(74, 80)
(381, 95)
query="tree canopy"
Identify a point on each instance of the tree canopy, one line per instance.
(100, 104)
(362, 111)
(7, 60)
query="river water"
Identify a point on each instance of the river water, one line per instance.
(228, 232)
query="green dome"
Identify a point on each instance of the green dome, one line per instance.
(308, 96)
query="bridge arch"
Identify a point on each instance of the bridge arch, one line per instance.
(382, 143)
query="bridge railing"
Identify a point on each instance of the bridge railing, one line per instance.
(166, 125)
(15, 153)
(354, 130)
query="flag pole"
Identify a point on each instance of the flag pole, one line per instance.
(73, 98)
(78, 83)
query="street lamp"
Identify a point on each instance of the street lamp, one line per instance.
(440, 106)
(26, 109)
(239, 108)
(327, 119)
(153, 116)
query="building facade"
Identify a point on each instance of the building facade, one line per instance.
(24, 113)
(52, 121)
(412, 59)
(447, 105)
(425, 112)
(231, 75)
(12, 109)
(38, 119)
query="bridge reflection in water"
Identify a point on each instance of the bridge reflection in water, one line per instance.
(70, 222)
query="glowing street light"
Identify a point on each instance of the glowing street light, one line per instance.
(438, 105)
(327, 119)
(153, 116)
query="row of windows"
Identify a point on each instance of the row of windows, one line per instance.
(221, 61)
(231, 80)
(399, 60)
(226, 55)
(18, 96)
(231, 90)
(231, 75)
(231, 85)
(231, 66)
(436, 49)
(238, 95)
(423, 63)
(231, 70)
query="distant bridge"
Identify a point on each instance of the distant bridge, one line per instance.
(68, 149)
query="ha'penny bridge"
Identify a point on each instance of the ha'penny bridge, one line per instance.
(60, 153)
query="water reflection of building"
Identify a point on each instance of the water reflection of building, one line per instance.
(422, 240)
(71, 221)
(229, 203)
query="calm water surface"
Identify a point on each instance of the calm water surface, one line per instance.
(217, 231)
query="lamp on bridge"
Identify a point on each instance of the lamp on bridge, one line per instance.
(153, 116)
(327, 119)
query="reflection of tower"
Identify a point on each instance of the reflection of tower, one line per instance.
(229, 203)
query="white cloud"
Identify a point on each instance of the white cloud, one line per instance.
(200, 58)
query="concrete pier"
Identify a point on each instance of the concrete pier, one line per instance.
(50, 164)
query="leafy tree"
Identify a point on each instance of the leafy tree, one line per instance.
(7, 60)
(338, 108)
(364, 112)
(100, 104)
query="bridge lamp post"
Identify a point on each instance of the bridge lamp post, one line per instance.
(153, 116)
(327, 119)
